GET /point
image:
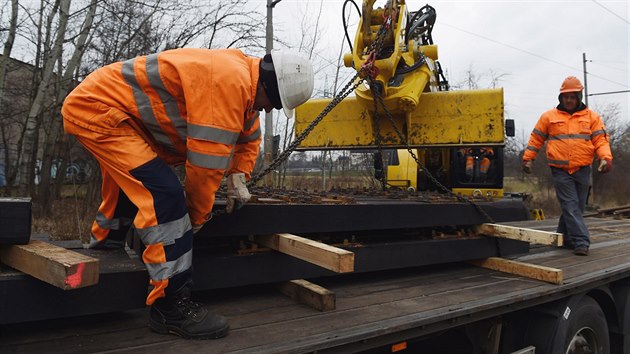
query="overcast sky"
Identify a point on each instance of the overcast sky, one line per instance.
(536, 44)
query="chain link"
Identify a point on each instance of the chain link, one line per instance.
(375, 48)
(421, 165)
(285, 154)
(380, 175)
(357, 79)
(366, 72)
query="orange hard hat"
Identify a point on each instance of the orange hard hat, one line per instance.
(571, 84)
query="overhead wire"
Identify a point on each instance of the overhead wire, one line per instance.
(530, 53)
(597, 62)
(612, 12)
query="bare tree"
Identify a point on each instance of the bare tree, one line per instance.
(8, 46)
(471, 81)
(29, 146)
(619, 138)
(308, 43)
(53, 145)
(4, 65)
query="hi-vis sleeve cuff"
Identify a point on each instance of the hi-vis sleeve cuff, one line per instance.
(216, 135)
(252, 137)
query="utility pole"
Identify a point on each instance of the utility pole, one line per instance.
(591, 191)
(269, 116)
(585, 82)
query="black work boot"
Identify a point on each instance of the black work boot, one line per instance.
(188, 319)
(581, 251)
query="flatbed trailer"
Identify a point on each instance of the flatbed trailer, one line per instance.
(447, 308)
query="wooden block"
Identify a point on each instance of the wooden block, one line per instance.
(270, 201)
(547, 274)
(326, 256)
(309, 294)
(55, 265)
(521, 234)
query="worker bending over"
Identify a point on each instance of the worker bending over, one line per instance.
(196, 107)
(574, 134)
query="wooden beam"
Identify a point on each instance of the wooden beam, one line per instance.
(533, 271)
(55, 265)
(608, 210)
(309, 294)
(521, 234)
(326, 256)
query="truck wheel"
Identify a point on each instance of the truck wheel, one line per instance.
(587, 330)
(572, 325)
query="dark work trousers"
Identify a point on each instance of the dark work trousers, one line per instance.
(572, 191)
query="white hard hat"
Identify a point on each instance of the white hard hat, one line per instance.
(295, 79)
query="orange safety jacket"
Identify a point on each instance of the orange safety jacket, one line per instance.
(572, 139)
(483, 154)
(193, 106)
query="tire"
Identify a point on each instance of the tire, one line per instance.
(569, 326)
(620, 343)
(587, 329)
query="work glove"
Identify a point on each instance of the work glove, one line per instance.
(196, 228)
(605, 166)
(237, 193)
(527, 166)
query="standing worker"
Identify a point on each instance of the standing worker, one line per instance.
(575, 134)
(197, 107)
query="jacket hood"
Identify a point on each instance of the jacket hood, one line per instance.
(580, 106)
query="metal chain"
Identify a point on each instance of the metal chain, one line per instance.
(424, 169)
(349, 88)
(377, 139)
(375, 48)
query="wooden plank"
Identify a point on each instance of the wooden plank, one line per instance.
(533, 271)
(608, 210)
(309, 294)
(521, 234)
(332, 258)
(268, 201)
(55, 265)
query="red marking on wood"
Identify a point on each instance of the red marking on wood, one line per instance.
(76, 279)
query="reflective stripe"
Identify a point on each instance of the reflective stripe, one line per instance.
(103, 222)
(558, 162)
(570, 136)
(169, 102)
(161, 271)
(144, 106)
(208, 161)
(598, 132)
(531, 148)
(165, 233)
(250, 123)
(538, 132)
(253, 136)
(212, 134)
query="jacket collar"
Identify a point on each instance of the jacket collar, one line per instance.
(579, 108)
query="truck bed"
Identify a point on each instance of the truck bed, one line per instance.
(372, 309)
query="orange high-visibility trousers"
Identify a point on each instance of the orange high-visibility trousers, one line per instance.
(484, 165)
(131, 168)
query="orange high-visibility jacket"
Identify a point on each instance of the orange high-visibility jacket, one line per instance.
(572, 140)
(191, 105)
